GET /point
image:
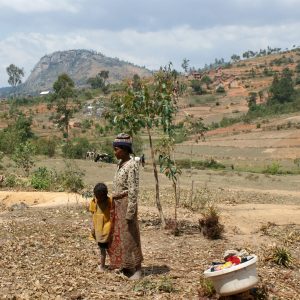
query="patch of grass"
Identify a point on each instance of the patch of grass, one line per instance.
(279, 255)
(282, 256)
(273, 169)
(166, 285)
(147, 286)
(200, 164)
(206, 289)
(196, 100)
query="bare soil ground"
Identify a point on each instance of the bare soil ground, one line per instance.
(46, 253)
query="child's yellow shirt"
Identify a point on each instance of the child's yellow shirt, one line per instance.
(101, 220)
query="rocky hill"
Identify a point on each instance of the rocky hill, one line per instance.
(80, 65)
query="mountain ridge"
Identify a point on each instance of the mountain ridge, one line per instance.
(79, 64)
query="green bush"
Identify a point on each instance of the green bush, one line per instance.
(45, 146)
(42, 179)
(11, 181)
(273, 169)
(76, 148)
(199, 164)
(71, 179)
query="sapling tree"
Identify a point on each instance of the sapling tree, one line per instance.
(170, 169)
(23, 157)
(151, 105)
(65, 102)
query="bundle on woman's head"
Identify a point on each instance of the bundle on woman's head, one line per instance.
(123, 141)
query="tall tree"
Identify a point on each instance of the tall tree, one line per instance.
(185, 65)
(100, 81)
(15, 75)
(282, 88)
(152, 106)
(65, 102)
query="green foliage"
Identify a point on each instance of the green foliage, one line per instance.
(207, 288)
(282, 89)
(297, 80)
(146, 286)
(76, 148)
(11, 181)
(23, 156)
(1, 157)
(206, 80)
(72, 178)
(200, 164)
(42, 179)
(45, 146)
(195, 100)
(166, 285)
(273, 169)
(17, 132)
(185, 64)
(100, 81)
(15, 75)
(297, 69)
(86, 124)
(282, 61)
(152, 106)
(235, 57)
(252, 100)
(137, 144)
(282, 256)
(65, 105)
(196, 86)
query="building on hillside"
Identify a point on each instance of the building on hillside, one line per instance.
(45, 93)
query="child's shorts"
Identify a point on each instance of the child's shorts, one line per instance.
(103, 245)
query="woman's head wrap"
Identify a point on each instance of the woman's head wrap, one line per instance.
(123, 140)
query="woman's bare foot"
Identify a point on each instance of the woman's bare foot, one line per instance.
(137, 275)
(101, 268)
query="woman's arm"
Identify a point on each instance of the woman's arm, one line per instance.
(133, 189)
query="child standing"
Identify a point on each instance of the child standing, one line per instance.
(100, 208)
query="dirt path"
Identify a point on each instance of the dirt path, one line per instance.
(247, 217)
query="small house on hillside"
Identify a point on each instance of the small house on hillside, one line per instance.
(45, 93)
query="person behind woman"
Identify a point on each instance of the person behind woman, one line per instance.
(125, 247)
(100, 208)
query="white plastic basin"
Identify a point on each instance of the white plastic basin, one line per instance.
(235, 279)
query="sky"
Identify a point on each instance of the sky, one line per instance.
(149, 33)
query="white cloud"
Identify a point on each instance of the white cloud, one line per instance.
(152, 49)
(41, 5)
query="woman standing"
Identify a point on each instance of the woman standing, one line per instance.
(125, 247)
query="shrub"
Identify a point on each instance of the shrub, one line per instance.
(196, 86)
(207, 288)
(273, 169)
(72, 178)
(23, 157)
(42, 179)
(281, 256)
(10, 181)
(45, 146)
(210, 225)
(76, 148)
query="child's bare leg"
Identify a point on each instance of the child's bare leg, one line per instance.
(102, 259)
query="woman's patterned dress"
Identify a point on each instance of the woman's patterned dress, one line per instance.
(125, 246)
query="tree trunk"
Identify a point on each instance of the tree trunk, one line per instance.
(158, 205)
